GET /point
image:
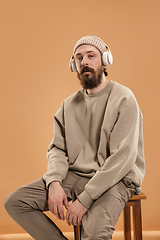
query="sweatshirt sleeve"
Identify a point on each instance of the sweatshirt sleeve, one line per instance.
(125, 145)
(57, 152)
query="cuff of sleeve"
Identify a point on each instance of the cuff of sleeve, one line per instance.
(50, 179)
(85, 199)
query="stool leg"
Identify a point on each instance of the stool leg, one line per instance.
(137, 220)
(77, 232)
(127, 223)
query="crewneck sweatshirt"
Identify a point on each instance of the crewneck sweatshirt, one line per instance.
(99, 136)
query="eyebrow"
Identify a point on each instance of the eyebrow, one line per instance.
(86, 52)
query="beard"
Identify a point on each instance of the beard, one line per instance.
(91, 80)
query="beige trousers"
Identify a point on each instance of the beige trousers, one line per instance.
(27, 205)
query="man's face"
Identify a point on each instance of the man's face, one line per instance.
(89, 66)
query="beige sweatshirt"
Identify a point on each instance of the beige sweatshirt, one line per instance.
(99, 136)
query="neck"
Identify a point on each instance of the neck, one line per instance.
(103, 83)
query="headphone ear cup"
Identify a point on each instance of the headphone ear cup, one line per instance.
(107, 58)
(72, 65)
(110, 57)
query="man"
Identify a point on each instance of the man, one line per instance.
(96, 157)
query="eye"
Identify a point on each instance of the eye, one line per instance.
(79, 58)
(90, 55)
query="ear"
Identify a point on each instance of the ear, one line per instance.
(105, 71)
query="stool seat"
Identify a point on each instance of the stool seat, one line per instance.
(135, 202)
(138, 196)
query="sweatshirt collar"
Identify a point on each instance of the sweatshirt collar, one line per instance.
(106, 89)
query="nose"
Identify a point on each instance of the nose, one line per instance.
(84, 61)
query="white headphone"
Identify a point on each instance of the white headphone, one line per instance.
(107, 59)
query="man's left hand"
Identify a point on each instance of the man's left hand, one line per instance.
(75, 213)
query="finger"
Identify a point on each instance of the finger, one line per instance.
(66, 204)
(70, 220)
(75, 221)
(61, 212)
(67, 218)
(50, 207)
(55, 212)
(79, 221)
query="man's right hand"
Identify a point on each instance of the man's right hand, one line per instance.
(56, 199)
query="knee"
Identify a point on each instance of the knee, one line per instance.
(12, 201)
(9, 201)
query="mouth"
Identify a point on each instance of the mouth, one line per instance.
(86, 72)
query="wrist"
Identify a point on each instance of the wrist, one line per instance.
(54, 183)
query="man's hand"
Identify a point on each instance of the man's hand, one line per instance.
(56, 199)
(75, 213)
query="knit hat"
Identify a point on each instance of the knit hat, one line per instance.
(92, 40)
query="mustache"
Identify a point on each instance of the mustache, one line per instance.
(86, 69)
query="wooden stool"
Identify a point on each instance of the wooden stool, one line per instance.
(135, 202)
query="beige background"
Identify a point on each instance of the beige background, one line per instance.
(36, 43)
